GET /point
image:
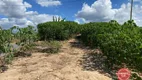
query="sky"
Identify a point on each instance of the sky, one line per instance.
(32, 12)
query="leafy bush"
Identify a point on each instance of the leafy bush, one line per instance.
(26, 35)
(120, 43)
(5, 39)
(57, 30)
(8, 58)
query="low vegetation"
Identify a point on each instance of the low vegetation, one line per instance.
(57, 30)
(120, 44)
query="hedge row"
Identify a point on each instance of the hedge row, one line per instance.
(57, 30)
(119, 43)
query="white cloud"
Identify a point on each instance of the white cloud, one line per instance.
(101, 10)
(40, 18)
(28, 20)
(27, 5)
(9, 22)
(31, 13)
(47, 3)
(80, 21)
(14, 8)
(98, 11)
(4, 22)
(17, 15)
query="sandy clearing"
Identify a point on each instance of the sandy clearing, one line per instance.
(62, 66)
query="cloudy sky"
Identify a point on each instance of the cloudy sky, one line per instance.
(33, 12)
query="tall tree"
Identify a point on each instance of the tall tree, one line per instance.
(53, 19)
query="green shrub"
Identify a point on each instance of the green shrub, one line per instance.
(8, 58)
(120, 43)
(57, 30)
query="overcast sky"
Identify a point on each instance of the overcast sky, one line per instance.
(33, 12)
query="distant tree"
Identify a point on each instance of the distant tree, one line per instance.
(53, 19)
(58, 19)
(0, 28)
(130, 23)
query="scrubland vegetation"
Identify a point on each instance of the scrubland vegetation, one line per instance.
(120, 44)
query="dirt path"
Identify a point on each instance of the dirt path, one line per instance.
(62, 66)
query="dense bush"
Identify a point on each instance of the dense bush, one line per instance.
(26, 35)
(57, 30)
(8, 41)
(120, 43)
(5, 39)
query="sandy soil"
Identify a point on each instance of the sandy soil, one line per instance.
(62, 66)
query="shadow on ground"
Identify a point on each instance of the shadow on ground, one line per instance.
(93, 60)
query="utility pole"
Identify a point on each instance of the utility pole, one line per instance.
(131, 10)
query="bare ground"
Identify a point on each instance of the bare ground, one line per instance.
(62, 66)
